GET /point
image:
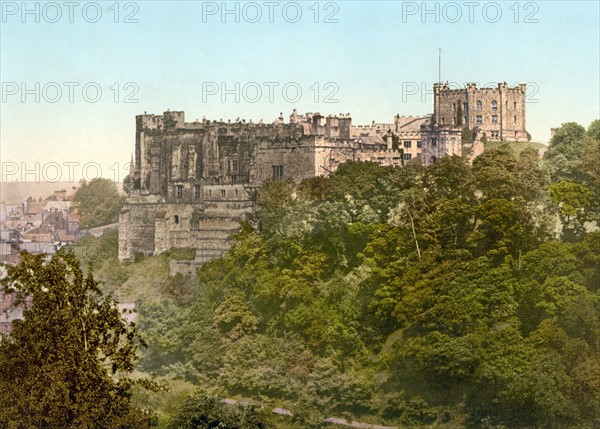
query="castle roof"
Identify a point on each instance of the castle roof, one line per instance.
(408, 123)
(370, 140)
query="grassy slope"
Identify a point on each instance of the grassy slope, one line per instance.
(517, 147)
(142, 280)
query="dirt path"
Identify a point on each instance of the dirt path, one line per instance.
(331, 420)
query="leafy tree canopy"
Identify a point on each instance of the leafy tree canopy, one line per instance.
(66, 364)
(98, 203)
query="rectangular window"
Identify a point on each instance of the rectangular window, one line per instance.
(179, 191)
(277, 171)
(419, 143)
(196, 191)
(515, 105)
(407, 156)
(464, 107)
(433, 142)
(407, 144)
(223, 193)
(479, 119)
(380, 161)
(494, 119)
(233, 165)
(395, 162)
(515, 119)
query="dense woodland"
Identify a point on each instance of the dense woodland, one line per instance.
(454, 296)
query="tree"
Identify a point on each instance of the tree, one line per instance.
(207, 412)
(128, 184)
(459, 115)
(494, 173)
(593, 131)
(66, 363)
(466, 135)
(571, 199)
(562, 160)
(98, 203)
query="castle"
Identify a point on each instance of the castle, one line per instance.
(493, 114)
(193, 181)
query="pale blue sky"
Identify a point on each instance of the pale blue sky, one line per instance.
(374, 54)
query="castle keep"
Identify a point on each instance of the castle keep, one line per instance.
(193, 181)
(493, 114)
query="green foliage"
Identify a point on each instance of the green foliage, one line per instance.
(98, 203)
(182, 253)
(66, 363)
(128, 184)
(493, 171)
(413, 297)
(314, 188)
(563, 158)
(572, 200)
(459, 114)
(516, 147)
(466, 135)
(593, 131)
(206, 412)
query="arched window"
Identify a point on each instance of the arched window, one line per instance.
(478, 104)
(494, 105)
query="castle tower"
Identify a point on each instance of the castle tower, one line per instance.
(498, 113)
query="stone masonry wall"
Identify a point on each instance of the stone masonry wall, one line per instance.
(498, 112)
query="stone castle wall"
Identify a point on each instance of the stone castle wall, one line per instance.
(194, 180)
(498, 112)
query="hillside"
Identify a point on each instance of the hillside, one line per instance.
(517, 147)
(368, 298)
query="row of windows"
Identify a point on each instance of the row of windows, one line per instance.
(396, 161)
(479, 105)
(179, 191)
(479, 119)
(197, 191)
(408, 144)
